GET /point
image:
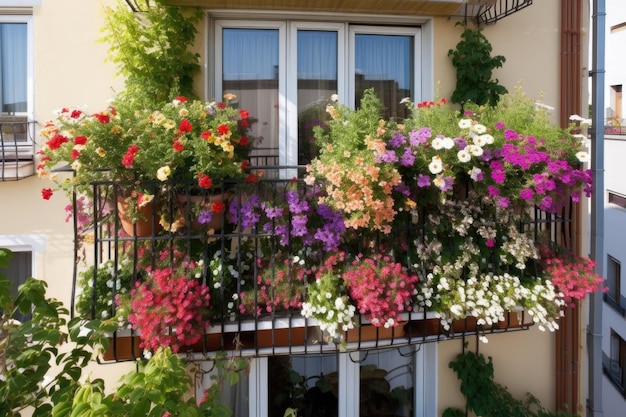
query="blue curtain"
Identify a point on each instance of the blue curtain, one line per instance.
(13, 66)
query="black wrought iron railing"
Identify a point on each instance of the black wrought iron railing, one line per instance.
(17, 148)
(254, 250)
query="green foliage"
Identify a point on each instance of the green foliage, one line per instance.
(28, 351)
(487, 398)
(474, 66)
(150, 49)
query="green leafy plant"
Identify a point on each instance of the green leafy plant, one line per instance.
(161, 385)
(28, 350)
(474, 67)
(487, 398)
(151, 50)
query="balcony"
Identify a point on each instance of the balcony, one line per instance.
(256, 254)
(16, 148)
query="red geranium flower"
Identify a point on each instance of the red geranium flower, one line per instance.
(46, 193)
(245, 164)
(244, 114)
(223, 129)
(129, 156)
(204, 181)
(56, 142)
(76, 114)
(221, 105)
(177, 145)
(182, 99)
(206, 134)
(74, 154)
(102, 118)
(217, 207)
(80, 140)
(185, 126)
(253, 179)
(243, 141)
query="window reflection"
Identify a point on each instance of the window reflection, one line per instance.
(385, 63)
(317, 81)
(250, 71)
(308, 384)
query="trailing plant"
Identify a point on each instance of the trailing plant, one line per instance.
(487, 398)
(474, 67)
(150, 49)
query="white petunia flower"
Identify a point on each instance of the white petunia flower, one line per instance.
(436, 166)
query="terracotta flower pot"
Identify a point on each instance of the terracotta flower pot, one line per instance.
(147, 222)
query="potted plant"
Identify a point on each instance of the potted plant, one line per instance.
(193, 141)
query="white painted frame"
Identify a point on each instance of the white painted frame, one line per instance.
(414, 32)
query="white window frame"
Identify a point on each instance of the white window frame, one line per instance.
(288, 25)
(36, 244)
(282, 69)
(28, 19)
(291, 143)
(348, 367)
(415, 32)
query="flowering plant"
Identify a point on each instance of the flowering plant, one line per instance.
(110, 281)
(281, 285)
(181, 139)
(328, 300)
(572, 275)
(358, 177)
(381, 288)
(168, 309)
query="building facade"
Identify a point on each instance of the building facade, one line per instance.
(344, 48)
(613, 312)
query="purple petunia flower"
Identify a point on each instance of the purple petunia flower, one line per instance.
(408, 158)
(423, 181)
(461, 143)
(204, 217)
(397, 140)
(500, 125)
(402, 188)
(419, 137)
(493, 191)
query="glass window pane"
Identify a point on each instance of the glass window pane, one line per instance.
(385, 62)
(13, 67)
(250, 71)
(386, 384)
(317, 81)
(308, 384)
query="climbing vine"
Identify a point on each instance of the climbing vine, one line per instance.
(474, 68)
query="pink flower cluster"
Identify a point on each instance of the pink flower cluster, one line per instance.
(573, 275)
(280, 286)
(554, 180)
(167, 309)
(382, 289)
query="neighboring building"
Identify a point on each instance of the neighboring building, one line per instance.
(57, 63)
(614, 307)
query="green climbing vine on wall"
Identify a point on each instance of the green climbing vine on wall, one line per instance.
(474, 68)
(487, 398)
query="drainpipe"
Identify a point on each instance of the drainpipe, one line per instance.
(568, 336)
(594, 332)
